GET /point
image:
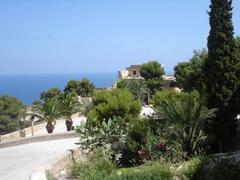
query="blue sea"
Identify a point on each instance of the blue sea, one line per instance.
(28, 87)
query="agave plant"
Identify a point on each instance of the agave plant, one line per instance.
(69, 105)
(185, 116)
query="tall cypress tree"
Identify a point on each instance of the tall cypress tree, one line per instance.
(220, 72)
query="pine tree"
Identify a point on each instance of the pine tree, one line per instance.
(220, 74)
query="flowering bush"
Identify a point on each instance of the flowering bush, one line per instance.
(158, 148)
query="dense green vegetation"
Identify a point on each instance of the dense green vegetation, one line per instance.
(50, 93)
(69, 105)
(221, 71)
(194, 123)
(114, 103)
(82, 88)
(189, 74)
(54, 103)
(138, 88)
(216, 74)
(237, 52)
(189, 126)
(194, 169)
(63, 105)
(105, 169)
(185, 116)
(152, 73)
(107, 139)
(11, 110)
(49, 112)
(176, 137)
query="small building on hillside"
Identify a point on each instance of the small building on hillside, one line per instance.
(168, 81)
(132, 72)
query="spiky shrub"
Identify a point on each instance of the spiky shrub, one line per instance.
(69, 105)
(184, 116)
(50, 110)
(106, 140)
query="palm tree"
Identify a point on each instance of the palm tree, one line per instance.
(49, 112)
(69, 105)
(185, 116)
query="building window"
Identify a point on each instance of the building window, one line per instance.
(134, 73)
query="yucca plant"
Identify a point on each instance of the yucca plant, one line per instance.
(69, 105)
(185, 116)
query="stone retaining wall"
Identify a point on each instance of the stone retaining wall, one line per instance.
(47, 137)
(16, 135)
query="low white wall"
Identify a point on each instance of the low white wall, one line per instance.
(16, 134)
(40, 138)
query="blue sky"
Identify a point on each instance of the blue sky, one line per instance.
(73, 36)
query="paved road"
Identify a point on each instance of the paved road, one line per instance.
(60, 127)
(17, 163)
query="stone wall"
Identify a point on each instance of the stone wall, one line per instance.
(47, 137)
(16, 134)
(134, 71)
(123, 74)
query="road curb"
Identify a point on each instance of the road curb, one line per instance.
(48, 137)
